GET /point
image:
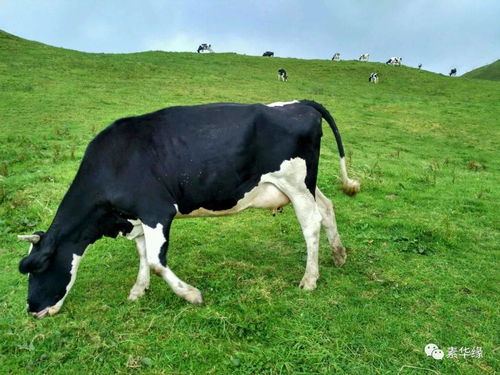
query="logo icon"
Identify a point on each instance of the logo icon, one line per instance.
(433, 351)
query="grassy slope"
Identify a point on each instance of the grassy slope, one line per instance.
(490, 71)
(422, 235)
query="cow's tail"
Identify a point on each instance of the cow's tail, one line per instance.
(349, 186)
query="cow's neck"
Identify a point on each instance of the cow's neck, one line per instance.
(77, 219)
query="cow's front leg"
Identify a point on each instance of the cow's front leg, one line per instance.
(156, 253)
(142, 282)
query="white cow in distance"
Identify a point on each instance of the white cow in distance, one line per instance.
(364, 57)
(205, 47)
(373, 78)
(395, 61)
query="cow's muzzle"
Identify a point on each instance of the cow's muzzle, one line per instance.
(41, 313)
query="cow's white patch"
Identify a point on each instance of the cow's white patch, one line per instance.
(154, 241)
(281, 104)
(75, 263)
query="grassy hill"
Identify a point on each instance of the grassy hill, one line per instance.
(490, 71)
(422, 235)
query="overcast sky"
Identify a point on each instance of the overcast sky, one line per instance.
(440, 34)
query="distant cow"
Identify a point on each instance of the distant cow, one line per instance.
(373, 78)
(364, 57)
(419, 66)
(193, 161)
(453, 72)
(282, 75)
(395, 61)
(268, 53)
(336, 57)
(205, 47)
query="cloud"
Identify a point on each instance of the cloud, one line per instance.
(439, 34)
(176, 42)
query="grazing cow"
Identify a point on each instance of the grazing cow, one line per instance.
(395, 61)
(336, 57)
(282, 75)
(268, 54)
(140, 173)
(364, 57)
(205, 47)
(373, 78)
(453, 72)
(419, 66)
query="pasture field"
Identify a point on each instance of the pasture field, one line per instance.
(422, 235)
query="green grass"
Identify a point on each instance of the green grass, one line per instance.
(490, 71)
(422, 235)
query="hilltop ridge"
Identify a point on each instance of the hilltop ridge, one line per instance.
(490, 72)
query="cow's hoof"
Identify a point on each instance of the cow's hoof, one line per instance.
(308, 283)
(136, 292)
(133, 296)
(194, 296)
(339, 256)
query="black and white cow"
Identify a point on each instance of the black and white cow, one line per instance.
(141, 173)
(395, 61)
(282, 76)
(364, 57)
(268, 54)
(205, 47)
(373, 78)
(419, 66)
(336, 57)
(453, 72)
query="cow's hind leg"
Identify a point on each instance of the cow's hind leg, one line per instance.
(327, 212)
(290, 180)
(309, 217)
(156, 249)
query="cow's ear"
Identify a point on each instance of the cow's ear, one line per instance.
(38, 260)
(35, 262)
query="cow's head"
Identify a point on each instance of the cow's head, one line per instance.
(52, 272)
